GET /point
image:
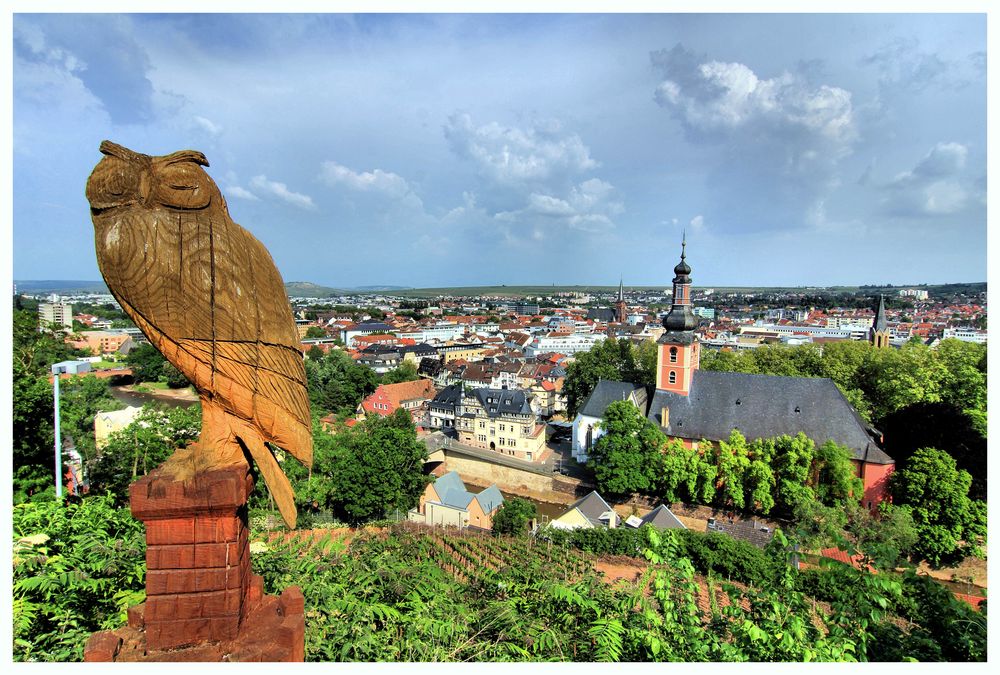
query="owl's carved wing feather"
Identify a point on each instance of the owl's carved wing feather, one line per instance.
(209, 297)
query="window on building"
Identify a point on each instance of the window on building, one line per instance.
(502, 441)
(503, 427)
(513, 442)
(672, 378)
(673, 355)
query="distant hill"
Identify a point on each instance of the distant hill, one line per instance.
(380, 288)
(307, 289)
(59, 286)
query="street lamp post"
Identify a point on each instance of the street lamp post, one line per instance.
(57, 369)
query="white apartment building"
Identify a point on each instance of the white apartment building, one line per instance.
(965, 334)
(59, 313)
(563, 344)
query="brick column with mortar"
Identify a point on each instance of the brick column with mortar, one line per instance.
(203, 602)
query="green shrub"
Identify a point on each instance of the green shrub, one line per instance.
(77, 568)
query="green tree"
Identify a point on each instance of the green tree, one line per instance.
(377, 468)
(514, 516)
(36, 351)
(134, 451)
(904, 376)
(80, 399)
(33, 415)
(77, 567)
(759, 485)
(793, 459)
(314, 332)
(610, 359)
(314, 353)
(173, 377)
(678, 477)
(732, 458)
(336, 383)
(949, 525)
(964, 384)
(314, 486)
(404, 372)
(626, 458)
(817, 525)
(885, 538)
(33, 440)
(836, 482)
(146, 363)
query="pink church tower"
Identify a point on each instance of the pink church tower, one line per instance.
(677, 349)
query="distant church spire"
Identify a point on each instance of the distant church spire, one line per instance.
(879, 333)
(620, 302)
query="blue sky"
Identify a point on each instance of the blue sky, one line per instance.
(445, 150)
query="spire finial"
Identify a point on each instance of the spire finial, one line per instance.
(683, 242)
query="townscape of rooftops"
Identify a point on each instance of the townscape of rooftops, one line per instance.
(491, 368)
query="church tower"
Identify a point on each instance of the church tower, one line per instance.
(620, 310)
(677, 349)
(878, 334)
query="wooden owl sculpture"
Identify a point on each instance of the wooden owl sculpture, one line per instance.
(208, 296)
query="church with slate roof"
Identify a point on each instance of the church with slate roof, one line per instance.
(692, 405)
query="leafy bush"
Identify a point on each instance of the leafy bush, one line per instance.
(77, 568)
(513, 516)
(722, 555)
(600, 540)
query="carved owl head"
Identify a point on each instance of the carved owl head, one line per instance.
(125, 178)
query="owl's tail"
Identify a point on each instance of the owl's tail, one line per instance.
(275, 478)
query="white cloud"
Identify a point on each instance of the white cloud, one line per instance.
(376, 180)
(207, 125)
(775, 143)
(281, 191)
(510, 155)
(241, 193)
(944, 159)
(589, 207)
(532, 177)
(729, 97)
(933, 187)
(697, 222)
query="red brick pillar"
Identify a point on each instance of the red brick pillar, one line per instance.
(203, 603)
(197, 555)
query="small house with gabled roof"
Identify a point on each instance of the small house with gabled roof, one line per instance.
(662, 518)
(447, 502)
(587, 512)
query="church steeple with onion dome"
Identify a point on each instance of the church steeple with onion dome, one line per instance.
(677, 348)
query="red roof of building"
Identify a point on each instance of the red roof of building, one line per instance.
(388, 398)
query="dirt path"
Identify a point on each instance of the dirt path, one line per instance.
(184, 394)
(973, 568)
